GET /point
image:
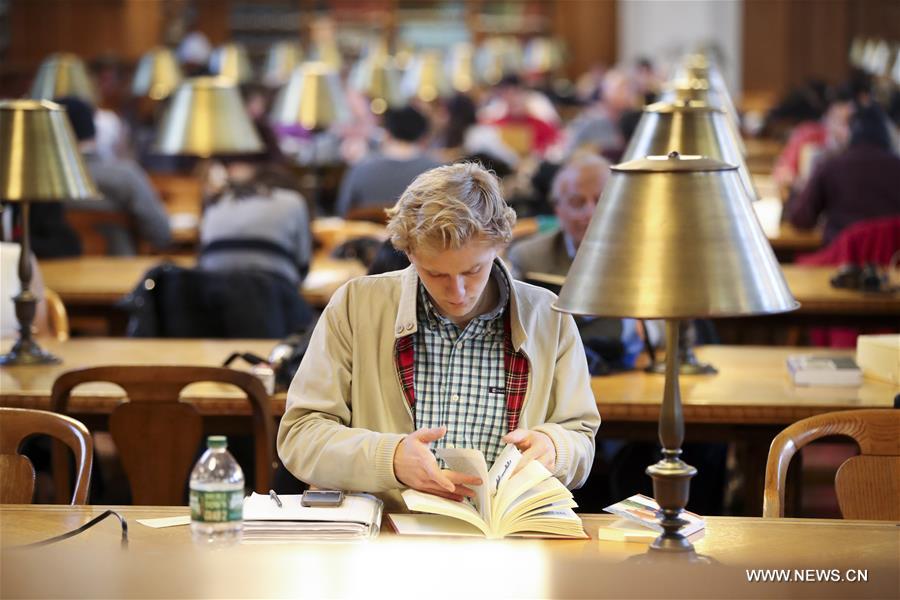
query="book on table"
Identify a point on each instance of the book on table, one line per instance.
(807, 369)
(531, 502)
(358, 517)
(639, 522)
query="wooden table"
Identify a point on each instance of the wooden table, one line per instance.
(90, 286)
(164, 563)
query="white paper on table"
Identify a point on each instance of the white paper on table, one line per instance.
(166, 521)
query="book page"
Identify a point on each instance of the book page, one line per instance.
(429, 503)
(470, 462)
(514, 486)
(503, 467)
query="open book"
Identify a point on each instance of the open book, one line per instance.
(530, 502)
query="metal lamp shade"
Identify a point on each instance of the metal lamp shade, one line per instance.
(691, 128)
(698, 90)
(62, 75)
(230, 61)
(542, 55)
(157, 75)
(673, 237)
(497, 57)
(207, 118)
(425, 78)
(39, 158)
(281, 61)
(312, 99)
(461, 67)
(377, 78)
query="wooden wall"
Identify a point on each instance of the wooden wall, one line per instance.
(589, 31)
(787, 42)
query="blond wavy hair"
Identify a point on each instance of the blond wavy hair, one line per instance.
(446, 207)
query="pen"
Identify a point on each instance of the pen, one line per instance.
(275, 497)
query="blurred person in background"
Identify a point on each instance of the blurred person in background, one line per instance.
(193, 53)
(809, 140)
(860, 182)
(251, 224)
(609, 343)
(648, 81)
(112, 137)
(380, 178)
(606, 125)
(123, 185)
(515, 113)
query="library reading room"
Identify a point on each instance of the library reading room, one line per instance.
(329, 298)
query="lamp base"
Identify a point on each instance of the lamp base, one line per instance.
(687, 367)
(27, 352)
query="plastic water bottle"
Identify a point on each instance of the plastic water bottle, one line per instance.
(217, 495)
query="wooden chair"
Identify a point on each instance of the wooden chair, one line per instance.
(157, 435)
(57, 317)
(372, 214)
(17, 475)
(90, 223)
(868, 485)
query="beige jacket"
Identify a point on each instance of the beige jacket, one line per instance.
(346, 412)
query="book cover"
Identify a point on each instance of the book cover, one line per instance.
(508, 502)
(807, 369)
(642, 510)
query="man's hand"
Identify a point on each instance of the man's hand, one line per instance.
(534, 445)
(416, 467)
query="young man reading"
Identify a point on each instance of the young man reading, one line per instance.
(450, 351)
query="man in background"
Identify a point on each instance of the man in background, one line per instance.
(380, 179)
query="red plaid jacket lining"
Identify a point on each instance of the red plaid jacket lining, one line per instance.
(516, 373)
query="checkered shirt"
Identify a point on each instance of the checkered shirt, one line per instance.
(460, 376)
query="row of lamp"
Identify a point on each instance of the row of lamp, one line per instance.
(674, 237)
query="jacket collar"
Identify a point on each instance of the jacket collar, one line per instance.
(406, 322)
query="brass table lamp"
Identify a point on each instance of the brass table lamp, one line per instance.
(281, 60)
(205, 118)
(312, 98)
(63, 74)
(425, 78)
(673, 237)
(231, 62)
(377, 78)
(695, 128)
(39, 162)
(157, 75)
(461, 67)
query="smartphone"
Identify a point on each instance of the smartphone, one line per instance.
(322, 498)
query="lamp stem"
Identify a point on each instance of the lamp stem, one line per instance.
(671, 476)
(26, 351)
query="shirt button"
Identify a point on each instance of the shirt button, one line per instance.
(454, 398)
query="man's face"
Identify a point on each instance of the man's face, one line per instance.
(456, 279)
(577, 201)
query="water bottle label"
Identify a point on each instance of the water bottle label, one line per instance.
(217, 506)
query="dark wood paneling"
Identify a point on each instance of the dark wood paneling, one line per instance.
(588, 28)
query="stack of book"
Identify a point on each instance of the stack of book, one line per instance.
(358, 517)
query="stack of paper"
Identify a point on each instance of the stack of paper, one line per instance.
(358, 517)
(639, 521)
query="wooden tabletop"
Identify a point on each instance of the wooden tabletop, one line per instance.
(165, 563)
(105, 280)
(752, 386)
(811, 286)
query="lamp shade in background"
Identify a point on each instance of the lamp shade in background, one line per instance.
(497, 57)
(39, 162)
(231, 62)
(157, 74)
(206, 117)
(692, 128)
(674, 237)
(39, 157)
(460, 65)
(699, 90)
(61, 75)
(542, 55)
(281, 60)
(425, 78)
(376, 77)
(312, 99)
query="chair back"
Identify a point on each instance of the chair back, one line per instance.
(157, 434)
(57, 317)
(96, 226)
(868, 485)
(17, 475)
